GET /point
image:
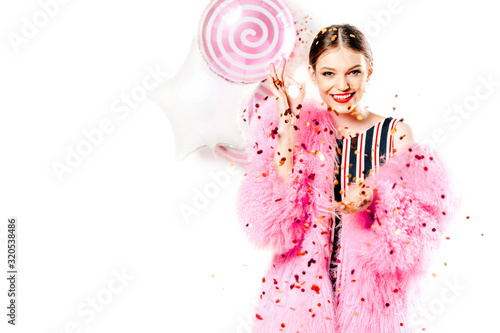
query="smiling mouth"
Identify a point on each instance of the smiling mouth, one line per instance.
(342, 98)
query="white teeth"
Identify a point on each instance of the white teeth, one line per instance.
(343, 96)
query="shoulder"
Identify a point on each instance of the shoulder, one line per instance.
(403, 135)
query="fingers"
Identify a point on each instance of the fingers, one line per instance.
(272, 86)
(281, 69)
(295, 83)
(273, 70)
(302, 91)
(289, 81)
(275, 74)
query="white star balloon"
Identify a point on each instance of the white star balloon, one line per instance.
(203, 108)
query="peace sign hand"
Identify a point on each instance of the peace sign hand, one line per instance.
(279, 87)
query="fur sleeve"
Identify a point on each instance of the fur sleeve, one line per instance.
(275, 212)
(271, 208)
(412, 207)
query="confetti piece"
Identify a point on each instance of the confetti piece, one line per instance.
(352, 35)
(333, 38)
(315, 288)
(434, 274)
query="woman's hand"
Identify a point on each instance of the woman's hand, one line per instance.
(279, 88)
(358, 198)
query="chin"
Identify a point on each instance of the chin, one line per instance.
(341, 108)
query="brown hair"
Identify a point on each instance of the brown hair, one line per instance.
(338, 35)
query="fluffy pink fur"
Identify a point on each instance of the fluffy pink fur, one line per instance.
(291, 218)
(387, 248)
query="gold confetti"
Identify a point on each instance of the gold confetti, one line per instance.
(321, 156)
(434, 274)
(359, 117)
(333, 38)
(323, 31)
(352, 35)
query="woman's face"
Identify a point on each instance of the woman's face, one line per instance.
(341, 76)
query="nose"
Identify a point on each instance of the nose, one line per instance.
(341, 83)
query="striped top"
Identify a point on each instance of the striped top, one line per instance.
(359, 157)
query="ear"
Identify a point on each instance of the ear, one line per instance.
(312, 75)
(370, 71)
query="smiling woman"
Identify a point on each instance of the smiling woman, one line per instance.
(340, 65)
(348, 202)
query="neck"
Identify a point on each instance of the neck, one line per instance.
(348, 119)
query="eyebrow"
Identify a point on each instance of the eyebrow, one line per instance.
(332, 69)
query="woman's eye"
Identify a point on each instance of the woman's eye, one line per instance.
(356, 71)
(327, 73)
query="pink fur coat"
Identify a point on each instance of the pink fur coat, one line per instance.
(383, 252)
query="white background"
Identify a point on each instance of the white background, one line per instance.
(118, 211)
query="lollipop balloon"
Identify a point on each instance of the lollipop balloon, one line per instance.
(239, 39)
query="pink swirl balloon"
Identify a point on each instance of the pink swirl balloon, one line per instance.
(240, 38)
